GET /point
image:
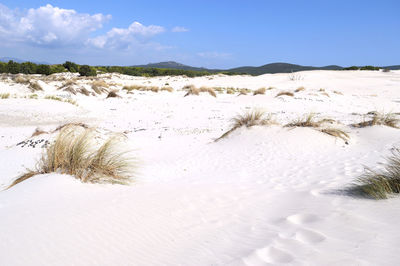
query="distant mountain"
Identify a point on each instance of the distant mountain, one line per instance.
(175, 65)
(396, 67)
(6, 59)
(279, 68)
(269, 68)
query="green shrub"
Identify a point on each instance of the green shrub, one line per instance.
(71, 67)
(43, 69)
(86, 71)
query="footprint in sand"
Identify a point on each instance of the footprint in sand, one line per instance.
(309, 237)
(302, 218)
(268, 256)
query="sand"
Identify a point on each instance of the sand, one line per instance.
(264, 195)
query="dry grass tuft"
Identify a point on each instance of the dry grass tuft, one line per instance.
(52, 97)
(338, 92)
(188, 87)
(21, 79)
(153, 89)
(388, 119)
(380, 184)
(77, 153)
(4, 95)
(285, 93)
(325, 94)
(335, 132)
(310, 121)
(56, 98)
(306, 121)
(99, 86)
(300, 89)
(230, 90)
(244, 91)
(169, 89)
(209, 90)
(132, 88)
(192, 90)
(112, 94)
(84, 91)
(249, 119)
(35, 86)
(259, 91)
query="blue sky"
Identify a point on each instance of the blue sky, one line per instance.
(214, 34)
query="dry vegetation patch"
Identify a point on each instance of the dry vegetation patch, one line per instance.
(35, 86)
(4, 95)
(388, 119)
(169, 89)
(249, 119)
(380, 184)
(244, 91)
(299, 89)
(209, 90)
(285, 93)
(260, 91)
(112, 94)
(320, 125)
(99, 86)
(76, 152)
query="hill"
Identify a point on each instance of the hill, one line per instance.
(279, 68)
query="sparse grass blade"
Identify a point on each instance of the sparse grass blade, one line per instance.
(381, 184)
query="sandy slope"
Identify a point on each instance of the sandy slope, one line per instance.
(262, 196)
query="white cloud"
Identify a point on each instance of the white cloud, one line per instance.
(179, 29)
(125, 38)
(214, 55)
(48, 25)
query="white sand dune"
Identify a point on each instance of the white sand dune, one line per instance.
(261, 196)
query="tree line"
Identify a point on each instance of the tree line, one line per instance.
(13, 67)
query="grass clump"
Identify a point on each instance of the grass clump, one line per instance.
(191, 90)
(35, 86)
(208, 90)
(249, 119)
(335, 132)
(21, 79)
(320, 125)
(380, 184)
(4, 95)
(244, 91)
(52, 97)
(230, 90)
(133, 88)
(308, 121)
(285, 93)
(260, 91)
(112, 94)
(76, 152)
(388, 119)
(169, 89)
(99, 86)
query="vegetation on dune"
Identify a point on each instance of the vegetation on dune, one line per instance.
(249, 119)
(76, 152)
(388, 119)
(320, 125)
(259, 91)
(86, 70)
(4, 95)
(285, 93)
(380, 184)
